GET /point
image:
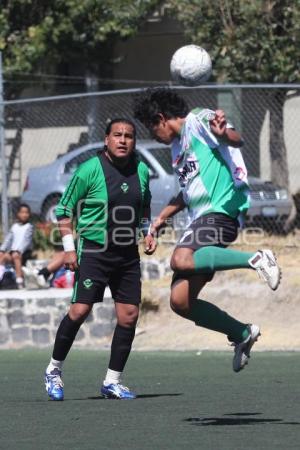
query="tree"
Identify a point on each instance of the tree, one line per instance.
(50, 37)
(250, 41)
(38, 36)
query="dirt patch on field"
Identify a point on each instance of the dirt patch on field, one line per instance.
(242, 295)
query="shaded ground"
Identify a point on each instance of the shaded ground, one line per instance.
(184, 400)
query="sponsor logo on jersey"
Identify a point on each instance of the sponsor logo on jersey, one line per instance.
(88, 283)
(239, 173)
(188, 171)
(124, 187)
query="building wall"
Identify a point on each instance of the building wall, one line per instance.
(146, 57)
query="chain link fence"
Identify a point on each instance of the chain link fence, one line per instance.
(49, 131)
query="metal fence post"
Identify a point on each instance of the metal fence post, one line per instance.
(4, 209)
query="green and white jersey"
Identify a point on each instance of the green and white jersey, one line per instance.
(213, 176)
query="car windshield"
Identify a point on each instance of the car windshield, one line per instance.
(72, 165)
(163, 156)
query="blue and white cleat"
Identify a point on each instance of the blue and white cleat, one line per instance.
(54, 385)
(117, 391)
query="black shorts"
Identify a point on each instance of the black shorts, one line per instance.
(117, 268)
(215, 229)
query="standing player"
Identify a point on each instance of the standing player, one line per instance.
(213, 176)
(110, 194)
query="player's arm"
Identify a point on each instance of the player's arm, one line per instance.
(225, 134)
(75, 191)
(65, 226)
(149, 238)
(145, 221)
(170, 210)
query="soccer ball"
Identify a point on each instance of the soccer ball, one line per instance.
(190, 65)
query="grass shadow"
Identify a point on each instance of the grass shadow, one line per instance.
(236, 419)
(98, 397)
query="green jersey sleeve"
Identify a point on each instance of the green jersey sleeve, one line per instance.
(76, 190)
(143, 173)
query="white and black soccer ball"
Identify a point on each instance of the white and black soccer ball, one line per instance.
(190, 65)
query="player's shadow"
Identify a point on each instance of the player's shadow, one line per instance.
(236, 419)
(98, 397)
(158, 395)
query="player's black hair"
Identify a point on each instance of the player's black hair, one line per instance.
(154, 101)
(119, 120)
(23, 205)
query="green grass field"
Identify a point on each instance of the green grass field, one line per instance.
(185, 401)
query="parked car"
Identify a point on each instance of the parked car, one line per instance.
(270, 205)
(45, 184)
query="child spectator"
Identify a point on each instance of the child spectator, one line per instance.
(17, 245)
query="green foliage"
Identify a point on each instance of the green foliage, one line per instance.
(249, 40)
(35, 34)
(46, 236)
(40, 240)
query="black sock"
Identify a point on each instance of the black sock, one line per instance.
(45, 272)
(120, 347)
(64, 339)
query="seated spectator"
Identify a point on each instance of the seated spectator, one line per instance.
(53, 274)
(56, 263)
(17, 245)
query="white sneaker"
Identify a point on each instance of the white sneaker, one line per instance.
(20, 282)
(265, 263)
(27, 273)
(33, 279)
(242, 350)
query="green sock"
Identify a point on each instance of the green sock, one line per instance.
(210, 258)
(208, 315)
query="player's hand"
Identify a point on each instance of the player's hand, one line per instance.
(70, 261)
(218, 123)
(150, 244)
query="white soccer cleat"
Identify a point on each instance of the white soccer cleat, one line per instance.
(265, 264)
(242, 349)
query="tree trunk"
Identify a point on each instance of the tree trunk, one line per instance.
(278, 153)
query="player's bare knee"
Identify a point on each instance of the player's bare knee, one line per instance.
(177, 303)
(174, 304)
(79, 312)
(181, 263)
(129, 318)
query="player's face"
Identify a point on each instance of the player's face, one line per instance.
(120, 142)
(162, 131)
(23, 215)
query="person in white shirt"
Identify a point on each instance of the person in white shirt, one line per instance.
(17, 242)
